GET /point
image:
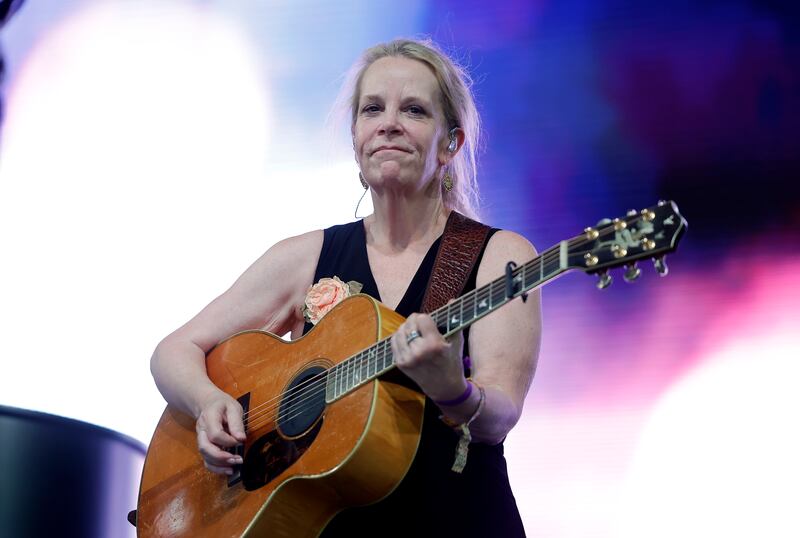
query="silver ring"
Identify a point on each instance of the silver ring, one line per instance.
(413, 335)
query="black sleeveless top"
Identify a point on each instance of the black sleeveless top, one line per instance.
(431, 500)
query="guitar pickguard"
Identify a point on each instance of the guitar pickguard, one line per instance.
(272, 454)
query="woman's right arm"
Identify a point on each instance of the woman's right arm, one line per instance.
(268, 295)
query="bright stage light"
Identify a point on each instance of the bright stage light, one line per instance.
(136, 185)
(719, 454)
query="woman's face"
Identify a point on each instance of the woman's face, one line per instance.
(399, 135)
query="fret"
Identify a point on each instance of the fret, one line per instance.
(441, 320)
(541, 268)
(552, 267)
(449, 324)
(382, 355)
(364, 367)
(338, 380)
(498, 291)
(342, 368)
(330, 395)
(483, 304)
(563, 254)
(524, 272)
(469, 300)
(379, 358)
(346, 376)
(453, 319)
(386, 359)
(357, 370)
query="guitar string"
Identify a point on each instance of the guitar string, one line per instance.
(313, 382)
(495, 288)
(312, 386)
(343, 367)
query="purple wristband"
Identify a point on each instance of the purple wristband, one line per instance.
(460, 399)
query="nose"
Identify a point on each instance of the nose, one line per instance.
(390, 124)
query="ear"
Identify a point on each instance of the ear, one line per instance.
(456, 134)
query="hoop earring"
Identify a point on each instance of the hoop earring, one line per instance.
(447, 181)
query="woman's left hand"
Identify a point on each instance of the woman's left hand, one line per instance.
(430, 360)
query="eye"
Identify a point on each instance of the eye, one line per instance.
(370, 108)
(416, 110)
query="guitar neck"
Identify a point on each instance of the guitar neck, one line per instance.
(456, 316)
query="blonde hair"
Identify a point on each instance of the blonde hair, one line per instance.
(457, 103)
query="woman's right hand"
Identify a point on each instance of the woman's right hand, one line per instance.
(219, 426)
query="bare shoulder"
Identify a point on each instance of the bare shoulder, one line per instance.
(503, 247)
(285, 271)
(267, 295)
(293, 253)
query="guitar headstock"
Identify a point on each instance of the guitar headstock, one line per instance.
(649, 233)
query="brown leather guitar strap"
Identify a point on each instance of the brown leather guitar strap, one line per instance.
(462, 241)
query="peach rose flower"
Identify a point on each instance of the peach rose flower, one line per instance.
(324, 295)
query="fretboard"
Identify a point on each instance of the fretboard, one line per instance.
(456, 316)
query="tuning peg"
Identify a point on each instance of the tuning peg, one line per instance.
(661, 266)
(632, 213)
(603, 222)
(603, 280)
(631, 272)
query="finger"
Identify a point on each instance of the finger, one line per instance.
(233, 417)
(426, 325)
(213, 454)
(215, 428)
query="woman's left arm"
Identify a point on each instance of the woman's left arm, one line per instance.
(504, 348)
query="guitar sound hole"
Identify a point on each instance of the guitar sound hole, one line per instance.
(299, 421)
(303, 402)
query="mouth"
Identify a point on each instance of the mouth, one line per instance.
(390, 148)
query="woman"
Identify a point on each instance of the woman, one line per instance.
(414, 129)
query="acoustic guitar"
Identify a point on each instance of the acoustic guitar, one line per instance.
(325, 429)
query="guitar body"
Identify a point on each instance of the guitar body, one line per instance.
(297, 474)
